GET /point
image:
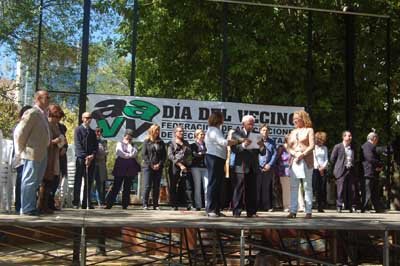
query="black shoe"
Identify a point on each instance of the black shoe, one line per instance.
(352, 209)
(320, 210)
(33, 213)
(339, 209)
(189, 207)
(380, 211)
(212, 214)
(175, 208)
(108, 207)
(252, 215)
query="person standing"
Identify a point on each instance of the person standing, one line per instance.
(52, 173)
(246, 168)
(153, 155)
(265, 174)
(125, 170)
(372, 167)
(215, 161)
(343, 160)
(18, 164)
(100, 169)
(300, 147)
(320, 169)
(32, 137)
(85, 152)
(180, 155)
(199, 170)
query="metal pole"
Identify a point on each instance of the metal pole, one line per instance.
(310, 70)
(242, 247)
(83, 246)
(389, 110)
(134, 45)
(224, 74)
(386, 260)
(39, 48)
(84, 59)
(349, 69)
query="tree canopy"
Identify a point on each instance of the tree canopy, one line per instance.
(179, 53)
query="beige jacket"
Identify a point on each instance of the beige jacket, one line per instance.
(32, 135)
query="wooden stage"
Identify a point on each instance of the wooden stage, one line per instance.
(330, 220)
(185, 237)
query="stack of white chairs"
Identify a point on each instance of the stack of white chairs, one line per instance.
(7, 176)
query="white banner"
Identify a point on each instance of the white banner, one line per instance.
(116, 113)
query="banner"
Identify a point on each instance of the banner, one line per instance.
(114, 114)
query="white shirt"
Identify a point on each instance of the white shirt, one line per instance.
(215, 142)
(125, 150)
(349, 156)
(320, 157)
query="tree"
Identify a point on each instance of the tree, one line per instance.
(8, 109)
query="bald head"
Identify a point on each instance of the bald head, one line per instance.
(42, 99)
(86, 118)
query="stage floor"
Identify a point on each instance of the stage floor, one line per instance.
(138, 218)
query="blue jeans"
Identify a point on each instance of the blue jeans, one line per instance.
(32, 176)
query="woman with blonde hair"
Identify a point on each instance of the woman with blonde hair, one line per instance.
(154, 154)
(301, 146)
(320, 169)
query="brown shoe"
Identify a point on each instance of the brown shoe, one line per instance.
(291, 215)
(308, 215)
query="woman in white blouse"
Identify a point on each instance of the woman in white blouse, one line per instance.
(320, 169)
(125, 169)
(215, 158)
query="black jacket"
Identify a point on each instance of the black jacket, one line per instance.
(153, 153)
(338, 159)
(248, 159)
(198, 155)
(370, 159)
(85, 142)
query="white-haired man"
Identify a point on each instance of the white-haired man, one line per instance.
(372, 166)
(246, 167)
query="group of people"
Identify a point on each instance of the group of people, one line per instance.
(197, 172)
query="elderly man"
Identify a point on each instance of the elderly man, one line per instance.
(32, 136)
(86, 146)
(372, 166)
(246, 168)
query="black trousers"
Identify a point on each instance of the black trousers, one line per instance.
(152, 180)
(347, 190)
(177, 183)
(264, 190)
(244, 193)
(116, 187)
(319, 188)
(18, 188)
(370, 191)
(80, 174)
(53, 189)
(215, 167)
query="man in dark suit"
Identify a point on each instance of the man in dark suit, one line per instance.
(85, 152)
(371, 166)
(246, 168)
(342, 159)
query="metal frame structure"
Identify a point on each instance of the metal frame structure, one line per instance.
(137, 234)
